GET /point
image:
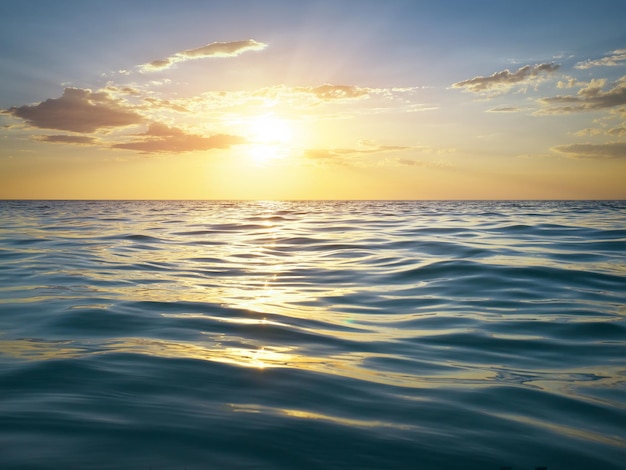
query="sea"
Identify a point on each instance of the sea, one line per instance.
(193, 335)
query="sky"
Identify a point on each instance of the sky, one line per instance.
(314, 99)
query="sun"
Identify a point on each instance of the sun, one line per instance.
(271, 137)
(270, 129)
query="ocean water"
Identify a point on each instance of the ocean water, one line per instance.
(312, 335)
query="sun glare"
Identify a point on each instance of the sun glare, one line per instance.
(270, 138)
(269, 129)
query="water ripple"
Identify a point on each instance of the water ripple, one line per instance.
(357, 334)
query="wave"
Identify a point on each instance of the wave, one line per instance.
(312, 334)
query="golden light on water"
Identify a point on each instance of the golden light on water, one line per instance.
(308, 415)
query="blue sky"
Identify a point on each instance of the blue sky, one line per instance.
(313, 99)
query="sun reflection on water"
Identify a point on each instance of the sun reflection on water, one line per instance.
(309, 415)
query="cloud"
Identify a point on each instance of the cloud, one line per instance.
(215, 49)
(590, 131)
(423, 164)
(615, 58)
(160, 138)
(503, 81)
(593, 88)
(78, 110)
(409, 162)
(597, 151)
(67, 139)
(335, 92)
(156, 103)
(591, 97)
(617, 131)
(504, 109)
(344, 155)
(329, 92)
(569, 82)
(314, 94)
(304, 99)
(366, 149)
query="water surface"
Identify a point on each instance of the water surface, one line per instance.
(201, 335)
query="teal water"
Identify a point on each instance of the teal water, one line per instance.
(279, 335)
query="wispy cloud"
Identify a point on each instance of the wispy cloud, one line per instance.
(589, 98)
(504, 81)
(325, 101)
(335, 92)
(78, 110)
(504, 109)
(422, 163)
(343, 156)
(312, 95)
(619, 131)
(160, 138)
(215, 49)
(597, 151)
(67, 139)
(613, 59)
(246, 101)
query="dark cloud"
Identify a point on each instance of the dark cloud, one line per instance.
(67, 139)
(215, 49)
(505, 80)
(591, 97)
(78, 110)
(598, 151)
(158, 64)
(160, 138)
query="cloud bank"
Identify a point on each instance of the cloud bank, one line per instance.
(160, 138)
(86, 112)
(589, 98)
(78, 110)
(505, 80)
(215, 49)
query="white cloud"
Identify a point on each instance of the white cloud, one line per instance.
(614, 59)
(215, 49)
(504, 81)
